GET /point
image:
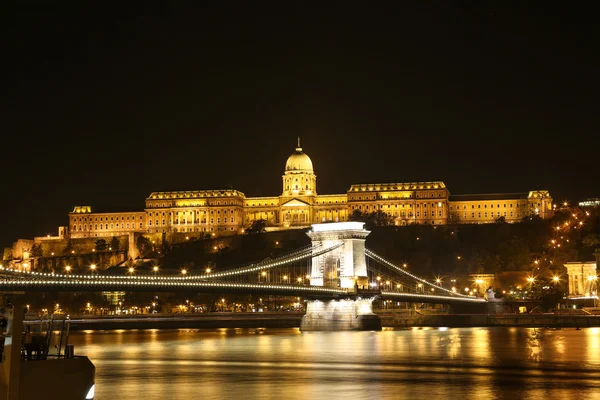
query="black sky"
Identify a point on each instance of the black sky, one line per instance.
(102, 106)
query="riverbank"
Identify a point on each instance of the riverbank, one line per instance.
(292, 320)
(489, 320)
(178, 321)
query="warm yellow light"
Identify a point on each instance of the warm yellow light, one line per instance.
(276, 243)
(222, 300)
(404, 265)
(387, 282)
(438, 281)
(398, 286)
(214, 247)
(184, 271)
(155, 268)
(68, 268)
(299, 279)
(93, 267)
(530, 279)
(378, 278)
(88, 305)
(458, 257)
(536, 261)
(592, 278)
(207, 270)
(555, 278)
(187, 238)
(285, 277)
(466, 289)
(131, 270)
(307, 276)
(420, 285)
(264, 273)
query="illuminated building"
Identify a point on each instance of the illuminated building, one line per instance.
(591, 202)
(229, 211)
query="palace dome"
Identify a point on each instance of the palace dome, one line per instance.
(299, 161)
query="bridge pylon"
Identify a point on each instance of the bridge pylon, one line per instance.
(345, 266)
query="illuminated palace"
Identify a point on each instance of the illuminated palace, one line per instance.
(230, 211)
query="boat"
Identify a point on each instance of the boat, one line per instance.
(29, 370)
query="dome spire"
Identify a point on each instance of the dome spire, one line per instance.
(298, 148)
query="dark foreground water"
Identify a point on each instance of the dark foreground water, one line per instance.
(461, 363)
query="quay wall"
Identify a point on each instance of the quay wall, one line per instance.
(293, 319)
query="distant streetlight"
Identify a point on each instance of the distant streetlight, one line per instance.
(184, 271)
(155, 268)
(207, 270)
(68, 268)
(131, 270)
(93, 267)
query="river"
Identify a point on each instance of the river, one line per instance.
(462, 363)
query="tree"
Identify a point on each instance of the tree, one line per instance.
(547, 292)
(69, 247)
(144, 246)
(258, 226)
(36, 250)
(381, 218)
(592, 240)
(500, 220)
(100, 245)
(114, 244)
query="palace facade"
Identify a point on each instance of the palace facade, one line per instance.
(230, 211)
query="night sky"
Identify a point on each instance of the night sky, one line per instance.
(102, 106)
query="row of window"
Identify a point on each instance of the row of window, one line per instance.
(183, 213)
(191, 221)
(457, 207)
(123, 218)
(105, 226)
(485, 214)
(410, 196)
(225, 202)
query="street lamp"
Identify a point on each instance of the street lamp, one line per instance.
(68, 268)
(183, 271)
(207, 270)
(131, 270)
(155, 268)
(93, 267)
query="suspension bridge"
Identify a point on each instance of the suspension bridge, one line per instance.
(337, 275)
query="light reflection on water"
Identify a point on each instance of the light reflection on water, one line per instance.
(276, 364)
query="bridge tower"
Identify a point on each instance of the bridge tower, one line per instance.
(343, 267)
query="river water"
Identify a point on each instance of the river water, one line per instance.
(461, 363)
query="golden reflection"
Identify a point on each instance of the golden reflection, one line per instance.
(533, 344)
(593, 344)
